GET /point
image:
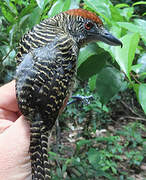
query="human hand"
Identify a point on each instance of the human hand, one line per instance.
(14, 137)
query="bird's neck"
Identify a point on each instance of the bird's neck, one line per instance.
(62, 43)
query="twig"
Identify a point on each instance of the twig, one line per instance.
(135, 78)
(6, 55)
(135, 118)
(130, 109)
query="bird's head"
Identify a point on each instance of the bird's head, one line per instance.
(86, 26)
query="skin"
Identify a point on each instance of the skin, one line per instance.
(14, 137)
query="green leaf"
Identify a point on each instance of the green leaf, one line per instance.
(93, 156)
(24, 22)
(138, 26)
(27, 10)
(139, 3)
(128, 12)
(42, 3)
(142, 61)
(66, 5)
(100, 7)
(59, 6)
(142, 76)
(56, 8)
(125, 55)
(12, 7)
(121, 5)
(142, 96)
(136, 88)
(142, 28)
(114, 170)
(8, 14)
(108, 83)
(52, 154)
(129, 26)
(92, 83)
(86, 52)
(83, 142)
(115, 13)
(74, 4)
(91, 66)
(35, 17)
(12, 33)
(91, 60)
(136, 68)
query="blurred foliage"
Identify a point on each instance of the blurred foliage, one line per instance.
(105, 70)
(109, 157)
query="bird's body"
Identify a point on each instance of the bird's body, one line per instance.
(45, 75)
(44, 83)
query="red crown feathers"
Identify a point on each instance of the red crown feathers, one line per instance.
(85, 14)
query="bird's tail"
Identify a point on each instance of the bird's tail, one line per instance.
(39, 151)
(44, 145)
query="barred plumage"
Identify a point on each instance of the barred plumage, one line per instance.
(45, 74)
(42, 86)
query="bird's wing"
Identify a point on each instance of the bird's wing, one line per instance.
(43, 84)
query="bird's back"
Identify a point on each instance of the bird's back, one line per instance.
(39, 36)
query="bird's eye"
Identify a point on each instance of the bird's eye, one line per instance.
(89, 25)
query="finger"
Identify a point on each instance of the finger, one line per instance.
(4, 124)
(8, 115)
(14, 148)
(8, 97)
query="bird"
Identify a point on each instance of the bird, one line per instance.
(45, 74)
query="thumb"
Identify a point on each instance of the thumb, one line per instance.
(14, 151)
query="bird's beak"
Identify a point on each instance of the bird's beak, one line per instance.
(108, 38)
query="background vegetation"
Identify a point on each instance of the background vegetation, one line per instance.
(106, 138)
